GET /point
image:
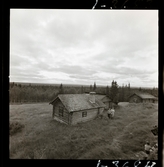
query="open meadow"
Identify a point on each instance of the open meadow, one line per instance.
(35, 135)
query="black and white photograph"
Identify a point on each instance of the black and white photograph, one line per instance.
(83, 84)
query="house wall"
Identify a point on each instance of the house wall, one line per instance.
(66, 118)
(135, 99)
(91, 114)
(107, 102)
(149, 101)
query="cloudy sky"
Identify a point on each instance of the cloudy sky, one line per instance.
(84, 46)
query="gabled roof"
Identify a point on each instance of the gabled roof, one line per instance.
(102, 97)
(76, 102)
(144, 95)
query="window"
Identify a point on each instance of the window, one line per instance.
(84, 114)
(61, 111)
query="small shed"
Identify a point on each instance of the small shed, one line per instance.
(105, 99)
(142, 98)
(76, 108)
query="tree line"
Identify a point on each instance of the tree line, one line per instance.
(24, 93)
(30, 93)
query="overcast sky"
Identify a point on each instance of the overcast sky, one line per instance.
(84, 46)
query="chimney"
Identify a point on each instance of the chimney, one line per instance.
(92, 97)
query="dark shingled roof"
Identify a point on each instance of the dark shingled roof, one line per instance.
(144, 96)
(101, 97)
(76, 102)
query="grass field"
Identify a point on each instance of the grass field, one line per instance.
(41, 137)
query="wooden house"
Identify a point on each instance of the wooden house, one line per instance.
(76, 108)
(105, 99)
(142, 98)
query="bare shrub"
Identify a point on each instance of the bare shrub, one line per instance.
(15, 127)
(153, 155)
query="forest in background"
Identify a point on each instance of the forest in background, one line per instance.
(34, 93)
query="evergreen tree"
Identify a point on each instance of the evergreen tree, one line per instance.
(20, 85)
(91, 88)
(94, 87)
(12, 85)
(123, 94)
(113, 83)
(107, 91)
(72, 90)
(61, 89)
(82, 89)
(129, 85)
(114, 91)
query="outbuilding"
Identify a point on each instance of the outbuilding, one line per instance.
(76, 108)
(106, 100)
(142, 98)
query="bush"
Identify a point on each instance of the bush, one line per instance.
(15, 127)
(153, 156)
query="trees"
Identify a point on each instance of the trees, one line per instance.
(44, 93)
(114, 92)
(61, 90)
(11, 85)
(15, 94)
(154, 91)
(72, 91)
(94, 86)
(129, 86)
(90, 88)
(82, 90)
(122, 94)
(107, 91)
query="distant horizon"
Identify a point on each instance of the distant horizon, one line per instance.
(69, 84)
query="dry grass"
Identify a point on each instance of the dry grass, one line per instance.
(44, 138)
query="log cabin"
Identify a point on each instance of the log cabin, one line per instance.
(142, 98)
(76, 108)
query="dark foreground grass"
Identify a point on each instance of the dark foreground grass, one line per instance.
(15, 127)
(44, 138)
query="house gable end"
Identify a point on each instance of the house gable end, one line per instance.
(135, 98)
(60, 113)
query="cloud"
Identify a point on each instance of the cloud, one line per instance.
(81, 46)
